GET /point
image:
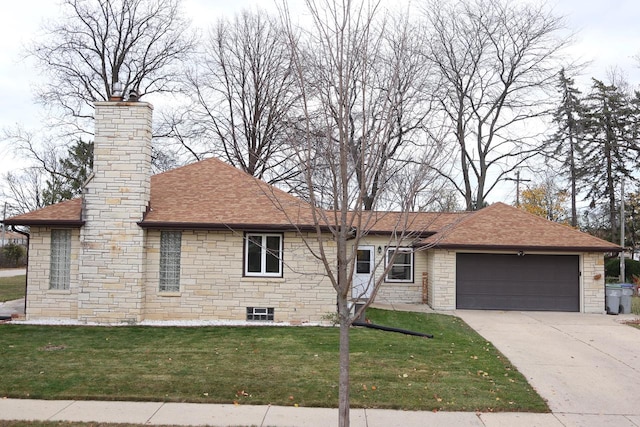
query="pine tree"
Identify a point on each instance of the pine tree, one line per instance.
(609, 146)
(565, 142)
(70, 174)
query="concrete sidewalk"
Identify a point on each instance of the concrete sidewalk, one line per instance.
(159, 413)
(11, 308)
(11, 272)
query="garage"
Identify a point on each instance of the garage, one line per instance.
(528, 282)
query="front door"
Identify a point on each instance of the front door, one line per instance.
(363, 273)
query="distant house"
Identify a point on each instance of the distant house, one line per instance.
(12, 238)
(209, 242)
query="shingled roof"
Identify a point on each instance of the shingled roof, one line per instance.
(67, 213)
(211, 194)
(503, 227)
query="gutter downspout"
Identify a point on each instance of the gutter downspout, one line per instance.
(26, 276)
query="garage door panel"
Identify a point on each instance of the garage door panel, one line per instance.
(511, 282)
(508, 302)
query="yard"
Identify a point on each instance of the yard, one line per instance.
(455, 371)
(11, 288)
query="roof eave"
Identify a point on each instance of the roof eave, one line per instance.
(408, 234)
(46, 222)
(171, 225)
(613, 248)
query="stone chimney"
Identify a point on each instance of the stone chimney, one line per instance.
(112, 259)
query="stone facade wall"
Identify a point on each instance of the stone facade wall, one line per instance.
(442, 279)
(111, 271)
(212, 286)
(592, 283)
(42, 302)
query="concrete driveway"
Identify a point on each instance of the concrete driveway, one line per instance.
(9, 308)
(10, 272)
(585, 364)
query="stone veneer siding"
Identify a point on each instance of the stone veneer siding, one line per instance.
(42, 302)
(405, 292)
(441, 267)
(212, 286)
(111, 272)
(592, 282)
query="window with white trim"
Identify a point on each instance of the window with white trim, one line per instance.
(402, 268)
(60, 263)
(264, 314)
(170, 249)
(263, 254)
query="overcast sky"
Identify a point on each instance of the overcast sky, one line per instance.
(607, 34)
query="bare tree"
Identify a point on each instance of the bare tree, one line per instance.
(241, 94)
(496, 61)
(139, 43)
(23, 191)
(61, 171)
(336, 60)
(94, 44)
(399, 59)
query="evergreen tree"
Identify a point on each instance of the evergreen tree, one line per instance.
(609, 146)
(68, 178)
(564, 144)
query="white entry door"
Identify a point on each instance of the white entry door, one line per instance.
(363, 273)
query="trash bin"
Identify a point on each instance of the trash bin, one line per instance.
(625, 298)
(612, 296)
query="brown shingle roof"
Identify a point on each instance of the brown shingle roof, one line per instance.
(417, 222)
(211, 194)
(67, 213)
(501, 226)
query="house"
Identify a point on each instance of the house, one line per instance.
(208, 242)
(12, 238)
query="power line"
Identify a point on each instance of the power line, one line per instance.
(518, 180)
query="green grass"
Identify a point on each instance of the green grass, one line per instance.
(455, 371)
(11, 288)
(635, 305)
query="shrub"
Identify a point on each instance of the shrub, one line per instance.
(631, 268)
(13, 253)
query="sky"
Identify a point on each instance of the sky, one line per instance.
(607, 35)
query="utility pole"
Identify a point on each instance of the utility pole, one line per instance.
(517, 179)
(622, 263)
(4, 216)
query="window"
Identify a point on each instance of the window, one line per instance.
(364, 263)
(260, 313)
(263, 255)
(402, 268)
(170, 242)
(59, 277)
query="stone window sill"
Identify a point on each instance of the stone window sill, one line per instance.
(169, 294)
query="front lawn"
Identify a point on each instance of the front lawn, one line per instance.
(11, 288)
(635, 305)
(455, 371)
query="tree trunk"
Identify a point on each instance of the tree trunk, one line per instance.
(344, 384)
(574, 178)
